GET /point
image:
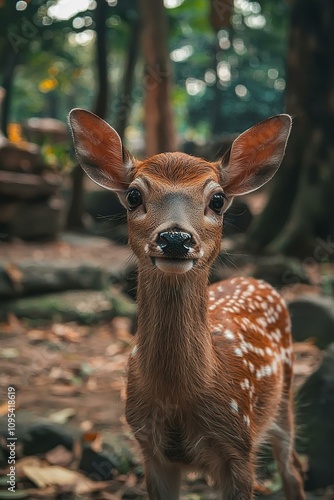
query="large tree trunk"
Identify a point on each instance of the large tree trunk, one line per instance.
(159, 123)
(220, 18)
(7, 84)
(127, 84)
(76, 210)
(301, 205)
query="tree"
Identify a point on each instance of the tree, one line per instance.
(301, 205)
(74, 217)
(158, 116)
(220, 18)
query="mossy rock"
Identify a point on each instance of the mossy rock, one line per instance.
(85, 307)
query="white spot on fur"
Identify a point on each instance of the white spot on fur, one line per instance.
(234, 405)
(247, 420)
(229, 335)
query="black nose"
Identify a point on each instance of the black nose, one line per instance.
(174, 244)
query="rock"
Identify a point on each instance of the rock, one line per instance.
(39, 436)
(28, 186)
(280, 271)
(43, 437)
(85, 307)
(31, 277)
(42, 130)
(38, 219)
(98, 466)
(312, 317)
(25, 157)
(316, 420)
(74, 261)
(237, 218)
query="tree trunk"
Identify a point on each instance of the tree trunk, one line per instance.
(158, 120)
(301, 206)
(220, 18)
(76, 210)
(7, 84)
(126, 100)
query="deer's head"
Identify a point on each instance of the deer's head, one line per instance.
(176, 202)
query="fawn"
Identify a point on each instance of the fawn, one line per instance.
(209, 378)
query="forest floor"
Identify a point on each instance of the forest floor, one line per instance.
(71, 378)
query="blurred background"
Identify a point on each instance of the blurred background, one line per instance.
(168, 75)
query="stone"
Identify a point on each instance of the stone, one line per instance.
(315, 415)
(28, 186)
(37, 219)
(42, 130)
(25, 157)
(85, 307)
(312, 317)
(280, 271)
(31, 277)
(74, 261)
(98, 466)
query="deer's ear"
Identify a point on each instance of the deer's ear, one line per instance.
(99, 151)
(255, 156)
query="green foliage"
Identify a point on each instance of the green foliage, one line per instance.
(234, 78)
(245, 62)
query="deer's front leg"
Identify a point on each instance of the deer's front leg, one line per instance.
(162, 480)
(237, 480)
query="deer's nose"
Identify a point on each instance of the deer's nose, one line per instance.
(175, 244)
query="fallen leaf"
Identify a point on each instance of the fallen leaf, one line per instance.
(86, 426)
(15, 275)
(62, 416)
(88, 486)
(3, 409)
(59, 456)
(36, 335)
(51, 474)
(66, 332)
(64, 390)
(9, 352)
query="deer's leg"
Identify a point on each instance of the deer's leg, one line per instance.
(282, 440)
(237, 480)
(162, 480)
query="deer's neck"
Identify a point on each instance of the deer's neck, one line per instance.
(174, 342)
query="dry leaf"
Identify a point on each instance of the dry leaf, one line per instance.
(66, 332)
(64, 390)
(15, 275)
(3, 409)
(62, 416)
(86, 426)
(59, 456)
(88, 486)
(51, 474)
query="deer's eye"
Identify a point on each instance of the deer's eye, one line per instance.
(217, 202)
(134, 198)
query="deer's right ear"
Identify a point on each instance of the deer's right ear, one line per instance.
(100, 152)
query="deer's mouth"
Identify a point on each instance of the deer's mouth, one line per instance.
(173, 266)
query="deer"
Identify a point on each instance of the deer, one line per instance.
(210, 374)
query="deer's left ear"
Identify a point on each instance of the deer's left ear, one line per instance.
(255, 156)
